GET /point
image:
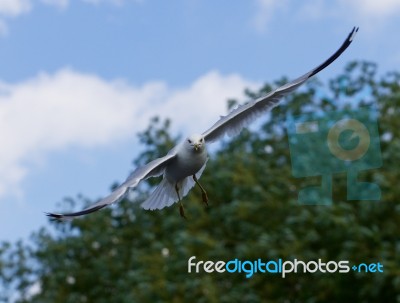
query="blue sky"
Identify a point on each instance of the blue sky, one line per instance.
(79, 79)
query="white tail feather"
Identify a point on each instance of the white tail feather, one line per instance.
(165, 195)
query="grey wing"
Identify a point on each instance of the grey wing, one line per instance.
(240, 117)
(152, 169)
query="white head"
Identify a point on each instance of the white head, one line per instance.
(195, 143)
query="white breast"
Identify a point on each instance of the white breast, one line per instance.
(187, 163)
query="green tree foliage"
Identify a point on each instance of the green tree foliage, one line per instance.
(126, 254)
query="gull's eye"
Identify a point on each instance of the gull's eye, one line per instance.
(190, 141)
(201, 140)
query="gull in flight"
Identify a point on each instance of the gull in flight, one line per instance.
(183, 165)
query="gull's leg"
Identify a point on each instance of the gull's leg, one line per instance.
(203, 192)
(181, 211)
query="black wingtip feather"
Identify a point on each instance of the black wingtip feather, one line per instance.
(332, 58)
(76, 214)
(54, 216)
(57, 217)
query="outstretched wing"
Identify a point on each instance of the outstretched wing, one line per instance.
(233, 123)
(152, 169)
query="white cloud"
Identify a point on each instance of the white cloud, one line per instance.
(51, 112)
(265, 11)
(360, 11)
(197, 107)
(376, 9)
(14, 7)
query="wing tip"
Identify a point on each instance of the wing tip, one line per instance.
(58, 217)
(353, 33)
(53, 215)
(337, 54)
(73, 215)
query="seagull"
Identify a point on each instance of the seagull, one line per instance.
(183, 165)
